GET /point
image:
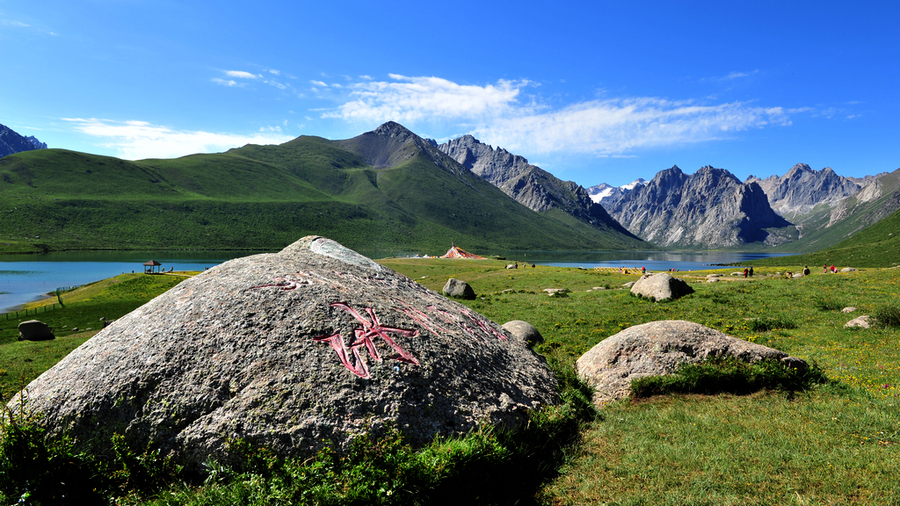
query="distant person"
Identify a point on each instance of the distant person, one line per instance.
(833, 269)
(806, 270)
(643, 270)
(825, 269)
(746, 272)
(751, 271)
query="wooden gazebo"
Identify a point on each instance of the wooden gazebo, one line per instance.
(152, 267)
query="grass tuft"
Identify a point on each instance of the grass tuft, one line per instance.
(729, 375)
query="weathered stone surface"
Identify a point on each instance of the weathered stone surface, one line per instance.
(712, 280)
(557, 292)
(849, 309)
(661, 286)
(34, 330)
(291, 350)
(860, 321)
(523, 332)
(458, 289)
(658, 348)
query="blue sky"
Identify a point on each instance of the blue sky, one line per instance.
(591, 91)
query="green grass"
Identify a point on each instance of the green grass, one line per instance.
(801, 440)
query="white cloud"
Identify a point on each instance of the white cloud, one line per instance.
(240, 74)
(619, 126)
(224, 82)
(135, 140)
(415, 98)
(319, 84)
(613, 127)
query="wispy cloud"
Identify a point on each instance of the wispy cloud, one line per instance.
(497, 114)
(135, 140)
(619, 126)
(415, 98)
(240, 74)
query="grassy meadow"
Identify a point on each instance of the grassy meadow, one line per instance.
(836, 442)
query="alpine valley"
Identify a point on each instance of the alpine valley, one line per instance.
(390, 190)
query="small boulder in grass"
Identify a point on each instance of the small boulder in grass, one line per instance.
(34, 330)
(458, 289)
(660, 287)
(861, 321)
(523, 332)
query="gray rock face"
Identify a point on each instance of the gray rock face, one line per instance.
(523, 332)
(313, 343)
(532, 186)
(803, 188)
(661, 286)
(658, 348)
(458, 289)
(710, 208)
(34, 330)
(13, 142)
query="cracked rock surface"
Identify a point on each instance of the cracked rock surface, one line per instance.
(293, 350)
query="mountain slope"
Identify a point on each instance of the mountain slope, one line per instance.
(532, 186)
(708, 209)
(875, 246)
(828, 225)
(384, 193)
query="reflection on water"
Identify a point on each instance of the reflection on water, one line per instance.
(24, 278)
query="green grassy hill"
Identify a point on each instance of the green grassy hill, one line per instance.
(876, 246)
(264, 197)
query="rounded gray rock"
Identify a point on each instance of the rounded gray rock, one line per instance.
(661, 286)
(523, 332)
(458, 289)
(293, 350)
(658, 348)
(34, 330)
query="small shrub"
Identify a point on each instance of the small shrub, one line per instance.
(770, 323)
(889, 316)
(823, 304)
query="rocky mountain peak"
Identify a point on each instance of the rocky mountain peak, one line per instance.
(393, 129)
(528, 184)
(710, 208)
(12, 142)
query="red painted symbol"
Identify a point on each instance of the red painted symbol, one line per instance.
(370, 329)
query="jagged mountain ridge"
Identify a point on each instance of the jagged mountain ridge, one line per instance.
(710, 209)
(530, 185)
(12, 142)
(801, 189)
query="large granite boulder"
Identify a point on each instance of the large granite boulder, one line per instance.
(661, 286)
(658, 348)
(34, 330)
(293, 350)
